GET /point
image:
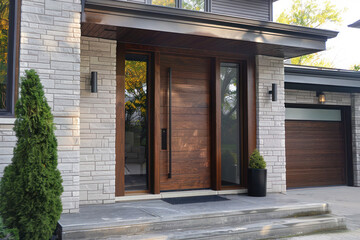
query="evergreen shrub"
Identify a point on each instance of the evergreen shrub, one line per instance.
(31, 187)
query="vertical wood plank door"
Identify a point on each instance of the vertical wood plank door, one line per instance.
(190, 108)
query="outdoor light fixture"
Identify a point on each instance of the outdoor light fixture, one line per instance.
(93, 82)
(273, 92)
(321, 97)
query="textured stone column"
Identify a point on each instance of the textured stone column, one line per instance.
(50, 44)
(98, 117)
(271, 120)
(355, 112)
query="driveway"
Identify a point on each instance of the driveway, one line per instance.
(343, 200)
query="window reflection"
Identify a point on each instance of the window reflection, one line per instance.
(4, 32)
(230, 124)
(197, 5)
(166, 3)
(136, 157)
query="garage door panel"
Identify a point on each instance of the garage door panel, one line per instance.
(321, 144)
(318, 163)
(313, 125)
(315, 153)
(315, 177)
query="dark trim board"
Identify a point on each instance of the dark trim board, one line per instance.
(321, 79)
(346, 119)
(321, 88)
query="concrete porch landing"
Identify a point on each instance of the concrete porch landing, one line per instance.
(278, 214)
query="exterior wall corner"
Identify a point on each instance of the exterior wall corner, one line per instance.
(50, 44)
(271, 120)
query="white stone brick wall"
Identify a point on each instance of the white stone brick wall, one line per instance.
(98, 117)
(309, 97)
(355, 112)
(7, 144)
(271, 120)
(50, 44)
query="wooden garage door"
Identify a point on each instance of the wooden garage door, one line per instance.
(315, 153)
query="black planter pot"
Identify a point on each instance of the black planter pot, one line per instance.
(257, 182)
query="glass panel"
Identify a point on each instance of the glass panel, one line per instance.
(197, 5)
(311, 114)
(136, 141)
(4, 31)
(166, 3)
(230, 124)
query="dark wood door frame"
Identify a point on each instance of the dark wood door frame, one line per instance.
(121, 52)
(346, 119)
(248, 115)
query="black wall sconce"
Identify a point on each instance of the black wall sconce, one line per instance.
(93, 82)
(321, 97)
(273, 92)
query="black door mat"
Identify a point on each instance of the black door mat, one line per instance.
(198, 199)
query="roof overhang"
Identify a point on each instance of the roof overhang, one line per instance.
(321, 79)
(263, 38)
(355, 24)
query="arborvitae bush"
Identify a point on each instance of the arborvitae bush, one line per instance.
(31, 187)
(257, 161)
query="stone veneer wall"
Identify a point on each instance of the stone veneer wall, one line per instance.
(50, 44)
(355, 113)
(97, 117)
(271, 120)
(7, 144)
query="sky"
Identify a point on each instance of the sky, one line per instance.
(344, 50)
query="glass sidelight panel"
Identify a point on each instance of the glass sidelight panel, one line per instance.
(136, 115)
(230, 124)
(4, 34)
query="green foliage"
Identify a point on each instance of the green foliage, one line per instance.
(31, 186)
(6, 233)
(356, 67)
(257, 161)
(311, 13)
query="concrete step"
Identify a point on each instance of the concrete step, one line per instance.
(225, 222)
(275, 228)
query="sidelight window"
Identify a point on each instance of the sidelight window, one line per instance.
(136, 121)
(230, 124)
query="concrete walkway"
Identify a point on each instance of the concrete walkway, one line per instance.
(344, 201)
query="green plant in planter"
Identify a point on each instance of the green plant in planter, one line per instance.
(257, 161)
(31, 187)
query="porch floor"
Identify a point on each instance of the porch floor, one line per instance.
(155, 210)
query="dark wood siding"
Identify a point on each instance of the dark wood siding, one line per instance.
(253, 9)
(315, 153)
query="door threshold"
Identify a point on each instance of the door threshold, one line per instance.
(191, 193)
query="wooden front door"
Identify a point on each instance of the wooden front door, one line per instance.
(190, 123)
